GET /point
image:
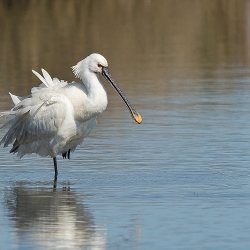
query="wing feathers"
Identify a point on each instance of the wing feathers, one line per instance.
(14, 124)
(35, 122)
(47, 77)
(47, 81)
(35, 109)
(40, 77)
(15, 99)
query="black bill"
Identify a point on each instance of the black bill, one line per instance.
(137, 117)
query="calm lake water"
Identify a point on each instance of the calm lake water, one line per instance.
(179, 180)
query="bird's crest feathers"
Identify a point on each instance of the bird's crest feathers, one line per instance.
(78, 68)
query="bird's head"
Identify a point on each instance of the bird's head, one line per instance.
(91, 64)
(96, 63)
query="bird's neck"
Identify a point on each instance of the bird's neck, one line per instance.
(96, 92)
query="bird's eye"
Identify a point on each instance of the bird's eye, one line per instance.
(99, 65)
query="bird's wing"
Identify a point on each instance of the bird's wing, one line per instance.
(31, 120)
(37, 116)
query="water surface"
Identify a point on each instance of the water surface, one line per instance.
(180, 180)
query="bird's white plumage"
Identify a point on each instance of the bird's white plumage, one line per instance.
(57, 115)
(15, 99)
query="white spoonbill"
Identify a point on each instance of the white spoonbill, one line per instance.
(57, 116)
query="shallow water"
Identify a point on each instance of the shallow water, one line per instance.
(181, 179)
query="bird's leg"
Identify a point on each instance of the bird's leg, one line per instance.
(55, 183)
(55, 167)
(64, 155)
(68, 154)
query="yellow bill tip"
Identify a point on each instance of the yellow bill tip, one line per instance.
(137, 117)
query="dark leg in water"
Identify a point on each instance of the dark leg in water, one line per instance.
(66, 154)
(55, 183)
(55, 167)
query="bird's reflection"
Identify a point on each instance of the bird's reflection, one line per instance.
(52, 218)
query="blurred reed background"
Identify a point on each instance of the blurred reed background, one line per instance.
(141, 39)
